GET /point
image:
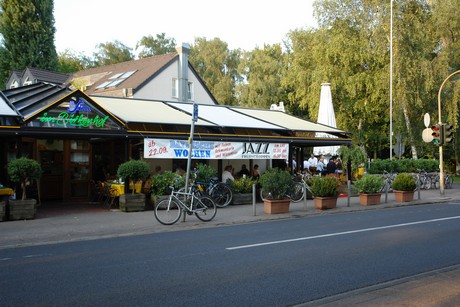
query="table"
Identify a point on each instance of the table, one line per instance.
(119, 188)
(6, 192)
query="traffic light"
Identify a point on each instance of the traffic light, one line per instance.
(447, 134)
(436, 134)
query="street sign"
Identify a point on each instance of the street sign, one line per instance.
(427, 135)
(195, 112)
(426, 120)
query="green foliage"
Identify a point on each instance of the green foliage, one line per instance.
(156, 46)
(355, 154)
(24, 170)
(325, 186)
(112, 53)
(369, 184)
(404, 182)
(69, 62)
(134, 170)
(242, 185)
(27, 30)
(378, 166)
(161, 183)
(277, 182)
(204, 172)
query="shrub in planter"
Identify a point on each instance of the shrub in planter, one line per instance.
(23, 171)
(276, 182)
(134, 170)
(242, 185)
(325, 186)
(369, 184)
(204, 173)
(161, 183)
(404, 182)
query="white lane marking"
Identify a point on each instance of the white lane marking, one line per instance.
(341, 233)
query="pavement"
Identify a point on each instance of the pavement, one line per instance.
(62, 222)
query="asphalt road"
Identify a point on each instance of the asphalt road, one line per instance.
(273, 263)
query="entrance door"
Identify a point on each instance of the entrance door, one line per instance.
(78, 169)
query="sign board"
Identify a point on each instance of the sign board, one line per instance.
(179, 149)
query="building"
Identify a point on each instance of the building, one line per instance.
(32, 75)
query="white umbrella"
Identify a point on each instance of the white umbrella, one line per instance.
(326, 116)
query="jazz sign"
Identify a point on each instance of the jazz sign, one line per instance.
(178, 149)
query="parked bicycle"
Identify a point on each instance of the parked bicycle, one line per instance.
(388, 181)
(168, 211)
(218, 191)
(298, 190)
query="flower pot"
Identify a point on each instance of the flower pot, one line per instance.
(275, 206)
(369, 199)
(132, 202)
(22, 209)
(324, 203)
(242, 199)
(403, 196)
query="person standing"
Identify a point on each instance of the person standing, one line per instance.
(321, 167)
(227, 174)
(313, 161)
(255, 172)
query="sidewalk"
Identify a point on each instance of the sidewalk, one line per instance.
(87, 222)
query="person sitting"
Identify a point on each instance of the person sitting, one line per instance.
(227, 174)
(255, 172)
(331, 166)
(244, 171)
(321, 167)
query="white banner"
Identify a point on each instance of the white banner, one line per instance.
(178, 149)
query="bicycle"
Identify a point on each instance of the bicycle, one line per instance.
(168, 211)
(423, 180)
(388, 181)
(218, 191)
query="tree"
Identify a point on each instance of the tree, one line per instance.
(112, 53)
(69, 62)
(217, 66)
(27, 27)
(156, 46)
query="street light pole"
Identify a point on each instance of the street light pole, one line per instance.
(441, 163)
(391, 79)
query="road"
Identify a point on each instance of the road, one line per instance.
(275, 263)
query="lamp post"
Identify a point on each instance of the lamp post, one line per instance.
(441, 163)
(391, 79)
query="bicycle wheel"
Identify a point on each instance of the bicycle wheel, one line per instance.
(426, 183)
(221, 194)
(167, 212)
(265, 195)
(297, 192)
(205, 209)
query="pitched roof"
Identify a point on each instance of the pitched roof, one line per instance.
(47, 76)
(138, 72)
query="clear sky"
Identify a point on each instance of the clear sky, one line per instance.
(246, 24)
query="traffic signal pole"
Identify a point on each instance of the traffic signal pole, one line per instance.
(441, 162)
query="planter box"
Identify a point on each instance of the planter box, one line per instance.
(369, 199)
(242, 199)
(275, 206)
(324, 203)
(22, 209)
(404, 196)
(132, 202)
(2, 211)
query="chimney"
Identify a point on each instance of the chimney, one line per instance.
(183, 71)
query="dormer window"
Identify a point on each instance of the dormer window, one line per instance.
(28, 81)
(14, 84)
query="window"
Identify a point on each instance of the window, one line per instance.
(15, 84)
(175, 88)
(28, 81)
(190, 93)
(115, 80)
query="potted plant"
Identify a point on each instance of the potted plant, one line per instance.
(278, 184)
(369, 187)
(354, 155)
(133, 170)
(161, 183)
(241, 190)
(403, 187)
(325, 190)
(23, 171)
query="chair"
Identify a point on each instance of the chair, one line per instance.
(110, 196)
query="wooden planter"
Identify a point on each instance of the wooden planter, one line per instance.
(2, 211)
(369, 199)
(22, 209)
(403, 196)
(324, 203)
(132, 202)
(241, 199)
(275, 206)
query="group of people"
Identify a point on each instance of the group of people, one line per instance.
(316, 165)
(228, 173)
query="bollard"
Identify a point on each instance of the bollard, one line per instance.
(348, 192)
(386, 192)
(254, 199)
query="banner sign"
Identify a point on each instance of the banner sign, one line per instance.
(178, 149)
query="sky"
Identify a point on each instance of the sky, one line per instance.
(246, 24)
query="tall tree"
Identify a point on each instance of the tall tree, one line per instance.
(262, 70)
(112, 53)
(27, 28)
(69, 62)
(217, 66)
(156, 46)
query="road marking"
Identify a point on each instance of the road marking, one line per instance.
(342, 233)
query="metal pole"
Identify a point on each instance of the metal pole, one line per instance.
(254, 198)
(441, 162)
(190, 148)
(391, 79)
